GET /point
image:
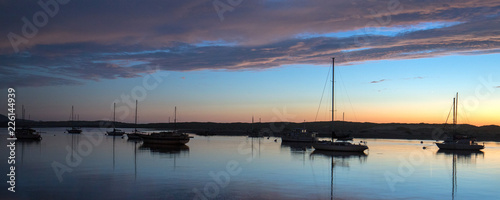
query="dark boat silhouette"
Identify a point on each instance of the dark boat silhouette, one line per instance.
(341, 143)
(27, 133)
(167, 137)
(115, 132)
(74, 130)
(136, 135)
(459, 141)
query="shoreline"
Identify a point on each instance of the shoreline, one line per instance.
(419, 131)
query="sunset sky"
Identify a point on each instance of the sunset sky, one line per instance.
(226, 61)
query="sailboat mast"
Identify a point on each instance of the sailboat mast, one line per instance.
(175, 118)
(343, 121)
(252, 123)
(333, 94)
(72, 117)
(136, 115)
(456, 110)
(114, 115)
(454, 115)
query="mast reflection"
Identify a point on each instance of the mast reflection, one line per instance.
(462, 157)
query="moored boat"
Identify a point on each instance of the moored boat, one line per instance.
(136, 135)
(74, 130)
(459, 141)
(166, 137)
(299, 135)
(115, 132)
(27, 134)
(338, 143)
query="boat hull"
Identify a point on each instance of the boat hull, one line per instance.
(339, 154)
(154, 140)
(165, 138)
(74, 131)
(133, 136)
(340, 147)
(457, 146)
(115, 133)
(295, 139)
(28, 137)
(27, 134)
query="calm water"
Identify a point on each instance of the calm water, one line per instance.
(244, 168)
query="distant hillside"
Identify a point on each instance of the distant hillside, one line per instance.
(356, 129)
(3, 118)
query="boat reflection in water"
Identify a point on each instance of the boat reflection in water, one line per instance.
(28, 148)
(165, 149)
(296, 147)
(338, 159)
(168, 150)
(341, 158)
(462, 157)
(298, 150)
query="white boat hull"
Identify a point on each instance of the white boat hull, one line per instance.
(457, 146)
(348, 147)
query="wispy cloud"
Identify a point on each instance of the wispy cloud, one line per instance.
(497, 86)
(88, 40)
(30, 80)
(379, 81)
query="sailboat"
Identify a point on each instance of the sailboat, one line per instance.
(458, 141)
(339, 144)
(253, 132)
(136, 134)
(115, 132)
(167, 137)
(73, 128)
(27, 133)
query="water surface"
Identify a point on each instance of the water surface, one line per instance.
(94, 166)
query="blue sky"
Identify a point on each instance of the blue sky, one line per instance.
(417, 90)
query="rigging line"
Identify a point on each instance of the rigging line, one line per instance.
(466, 116)
(322, 94)
(449, 113)
(347, 94)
